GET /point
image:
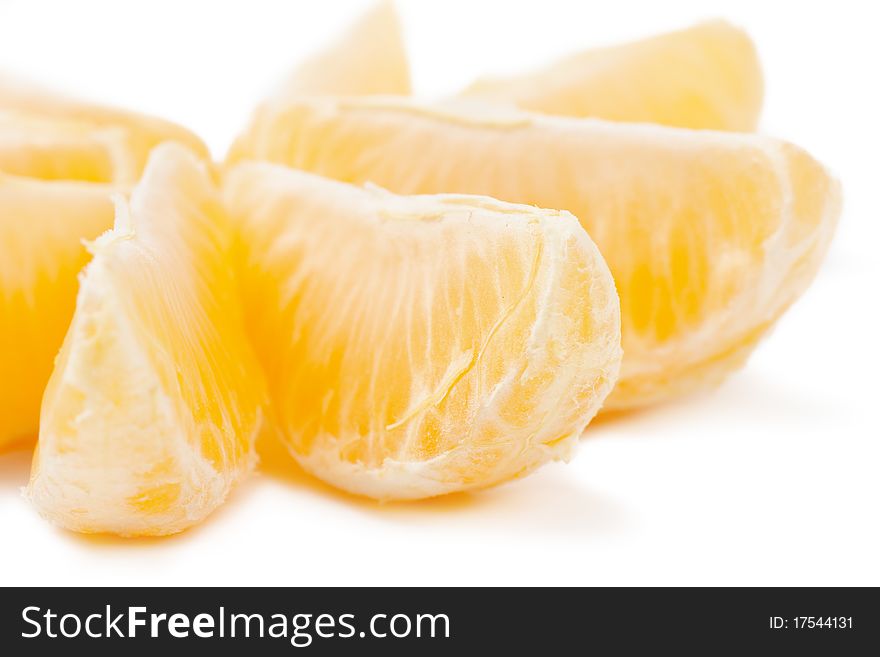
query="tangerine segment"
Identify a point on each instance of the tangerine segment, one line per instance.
(416, 346)
(142, 132)
(706, 76)
(56, 180)
(41, 228)
(710, 235)
(370, 58)
(150, 414)
(42, 223)
(62, 150)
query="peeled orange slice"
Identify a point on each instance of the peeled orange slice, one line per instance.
(370, 58)
(44, 138)
(710, 235)
(41, 228)
(706, 76)
(142, 132)
(416, 346)
(52, 196)
(62, 150)
(150, 414)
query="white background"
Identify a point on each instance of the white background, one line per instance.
(772, 479)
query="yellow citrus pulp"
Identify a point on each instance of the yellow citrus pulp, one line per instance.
(421, 345)
(48, 149)
(710, 235)
(402, 346)
(60, 161)
(370, 58)
(150, 414)
(41, 228)
(707, 76)
(142, 132)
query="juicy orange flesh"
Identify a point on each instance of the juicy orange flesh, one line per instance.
(707, 76)
(683, 219)
(157, 499)
(50, 148)
(382, 315)
(178, 303)
(73, 159)
(390, 328)
(671, 274)
(47, 149)
(182, 296)
(156, 365)
(142, 132)
(369, 58)
(41, 228)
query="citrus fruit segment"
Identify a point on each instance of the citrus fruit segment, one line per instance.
(46, 138)
(370, 58)
(710, 235)
(151, 411)
(41, 228)
(706, 76)
(142, 132)
(416, 346)
(61, 150)
(56, 181)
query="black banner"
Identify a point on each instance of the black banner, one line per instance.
(438, 621)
